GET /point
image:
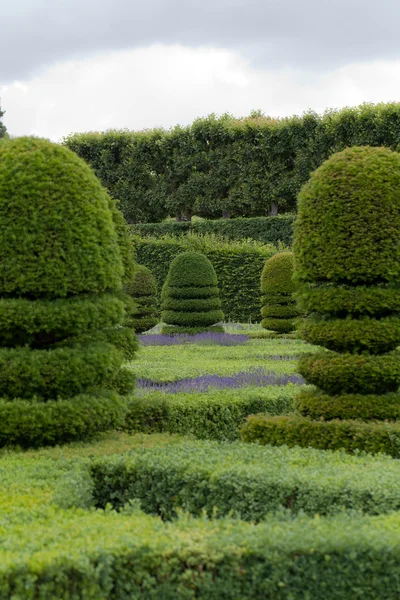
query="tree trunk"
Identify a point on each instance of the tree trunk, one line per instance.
(273, 211)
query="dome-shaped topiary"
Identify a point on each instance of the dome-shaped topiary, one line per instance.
(190, 295)
(60, 264)
(143, 290)
(347, 248)
(57, 232)
(278, 305)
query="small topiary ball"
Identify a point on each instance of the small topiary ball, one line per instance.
(278, 305)
(190, 295)
(348, 219)
(57, 232)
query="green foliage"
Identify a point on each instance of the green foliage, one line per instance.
(238, 267)
(352, 436)
(279, 308)
(65, 253)
(351, 373)
(268, 230)
(348, 221)
(353, 335)
(217, 165)
(143, 289)
(28, 423)
(245, 479)
(316, 405)
(58, 236)
(3, 130)
(348, 264)
(215, 415)
(56, 373)
(191, 270)
(40, 323)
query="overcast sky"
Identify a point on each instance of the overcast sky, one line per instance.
(80, 65)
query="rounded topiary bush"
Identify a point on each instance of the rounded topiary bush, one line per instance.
(143, 290)
(62, 263)
(347, 248)
(190, 295)
(278, 305)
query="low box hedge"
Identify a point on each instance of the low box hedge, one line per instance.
(217, 415)
(351, 435)
(248, 480)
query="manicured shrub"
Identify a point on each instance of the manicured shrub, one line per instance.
(351, 435)
(194, 309)
(246, 479)
(269, 230)
(64, 254)
(143, 289)
(347, 254)
(278, 305)
(215, 415)
(238, 266)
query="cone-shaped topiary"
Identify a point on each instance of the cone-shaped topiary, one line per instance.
(347, 256)
(60, 265)
(143, 290)
(190, 295)
(278, 304)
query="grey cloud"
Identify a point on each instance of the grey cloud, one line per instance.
(309, 34)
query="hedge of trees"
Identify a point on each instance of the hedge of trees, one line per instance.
(222, 166)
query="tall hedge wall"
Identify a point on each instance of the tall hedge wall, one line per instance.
(225, 166)
(269, 230)
(238, 268)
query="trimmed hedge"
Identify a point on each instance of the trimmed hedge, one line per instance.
(279, 307)
(190, 270)
(42, 322)
(216, 415)
(143, 290)
(238, 268)
(352, 436)
(34, 423)
(316, 405)
(351, 373)
(269, 230)
(248, 480)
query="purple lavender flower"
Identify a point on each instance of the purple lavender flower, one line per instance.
(208, 337)
(202, 383)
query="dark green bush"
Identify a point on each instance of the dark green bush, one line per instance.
(351, 373)
(216, 415)
(279, 307)
(191, 270)
(58, 237)
(37, 423)
(238, 268)
(143, 289)
(343, 234)
(347, 256)
(352, 436)
(65, 251)
(248, 480)
(40, 323)
(353, 335)
(316, 405)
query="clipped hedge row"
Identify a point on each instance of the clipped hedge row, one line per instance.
(269, 230)
(115, 557)
(245, 479)
(238, 270)
(216, 415)
(352, 436)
